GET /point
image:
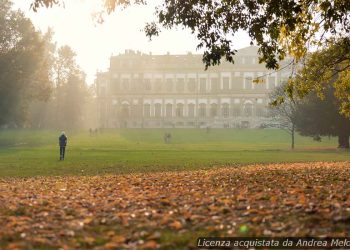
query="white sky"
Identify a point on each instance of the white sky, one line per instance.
(94, 43)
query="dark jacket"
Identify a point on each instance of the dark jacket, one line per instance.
(62, 140)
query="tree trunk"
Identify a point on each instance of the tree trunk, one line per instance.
(343, 141)
(293, 132)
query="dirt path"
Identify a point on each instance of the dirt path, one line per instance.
(169, 210)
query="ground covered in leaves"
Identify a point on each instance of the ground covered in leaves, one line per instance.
(170, 210)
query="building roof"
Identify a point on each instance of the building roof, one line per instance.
(249, 51)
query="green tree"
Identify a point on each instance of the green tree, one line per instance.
(319, 71)
(315, 117)
(24, 65)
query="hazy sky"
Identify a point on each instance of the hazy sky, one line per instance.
(94, 43)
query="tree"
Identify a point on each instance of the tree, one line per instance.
(283, 110)
(319, 71)
(24, 65)
(70, 95)
(316, 117)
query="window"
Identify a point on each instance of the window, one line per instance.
(191, 107)
(213, 110)
(157, 110)
(179, 110)
(214, 84)
(225, 110)
(191, 85)
(169, 85)
(203, 85)
(169, 110)
(180, 85)
(202, 110)
(147, 110)
(225, 83)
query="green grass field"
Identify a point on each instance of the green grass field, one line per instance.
(32, 153)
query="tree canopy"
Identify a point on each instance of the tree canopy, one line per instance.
(315, 117)
(323, 69)
(66, 107)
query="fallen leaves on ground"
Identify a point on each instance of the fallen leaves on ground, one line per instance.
(171, 209)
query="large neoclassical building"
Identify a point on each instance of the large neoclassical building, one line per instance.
(154, 91)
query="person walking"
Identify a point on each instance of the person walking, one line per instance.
(63, 143)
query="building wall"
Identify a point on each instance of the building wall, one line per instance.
(175, 91)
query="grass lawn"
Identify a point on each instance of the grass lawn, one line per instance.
(157, 207)
(33, 153)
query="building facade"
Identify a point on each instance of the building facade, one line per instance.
(175, 91)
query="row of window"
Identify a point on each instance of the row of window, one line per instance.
(178, 110)
(191, 85)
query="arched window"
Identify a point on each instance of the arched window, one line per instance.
(147, 110)
(202, 111)
(179, 110)
(158, 110)
(213, 110)
(226, 110)
(169, 110)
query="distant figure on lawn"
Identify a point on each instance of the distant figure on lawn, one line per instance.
(167, 138)
(63, 143)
